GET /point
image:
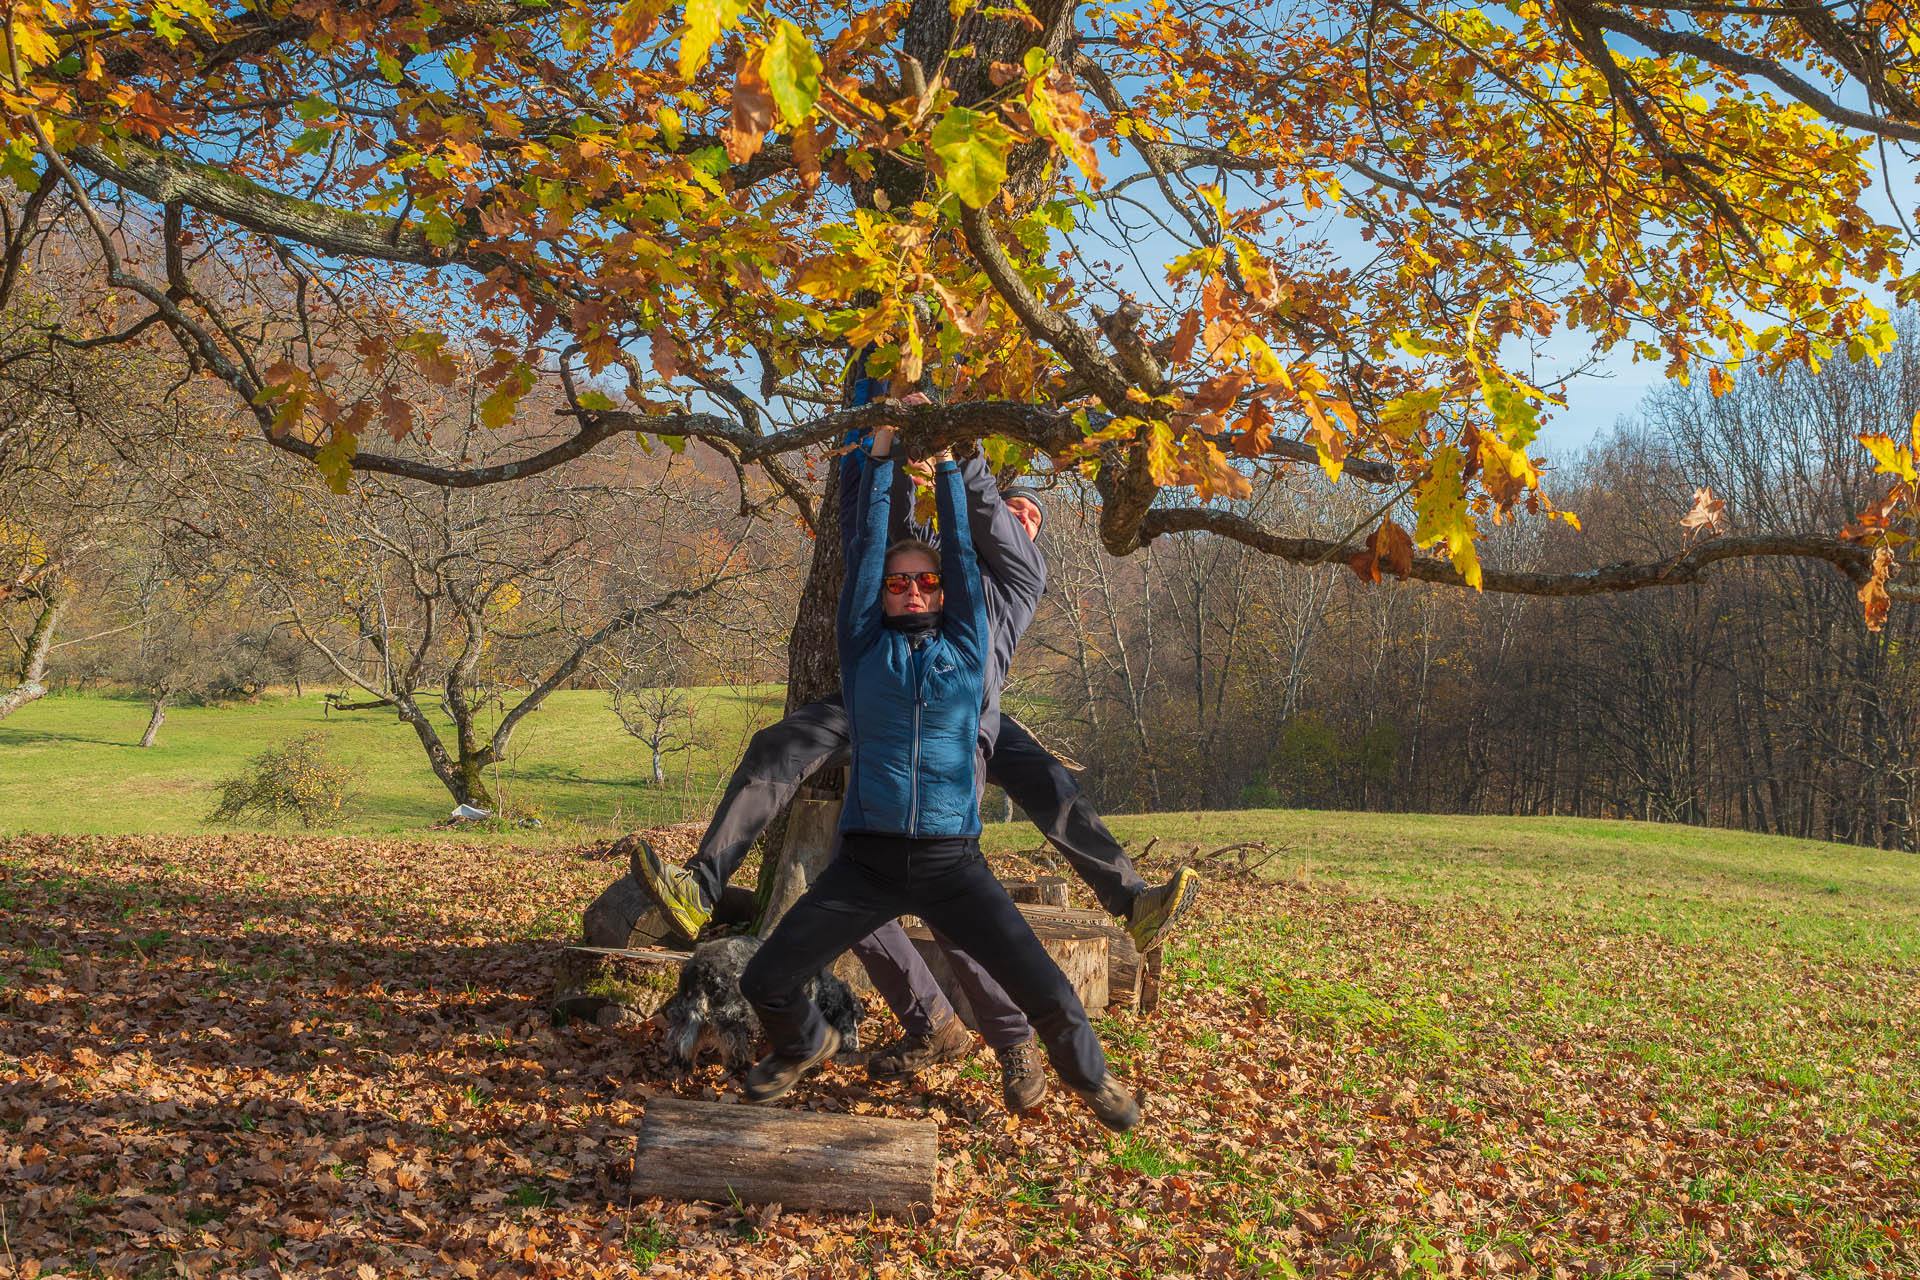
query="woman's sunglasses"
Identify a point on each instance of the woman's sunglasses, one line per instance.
(926, 580)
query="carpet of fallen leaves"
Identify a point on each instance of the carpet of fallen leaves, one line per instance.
(258, 1056)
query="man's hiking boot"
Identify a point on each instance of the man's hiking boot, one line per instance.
(673, 890)
(774, 1076)
(1117, 1109)
(1156, 911)
(910, 1055)
(1023, 1081)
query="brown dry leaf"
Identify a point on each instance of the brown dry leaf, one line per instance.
(1184, 338)
(664, 351)
(1218, 392)
(1708, 514)
(1874, 595)
(752, 113)
(806, 157)
(968, 322)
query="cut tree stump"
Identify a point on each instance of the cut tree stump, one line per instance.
(1081, 951)
(1041, 891)
(623, 916)
(588, 979)
(797, 1159)
(1123, 958)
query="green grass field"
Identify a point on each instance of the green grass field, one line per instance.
(1687, 884)
(70, 765)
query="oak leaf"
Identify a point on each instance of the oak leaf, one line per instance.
(792, 72)
(1708, 514)
(1874, 595)
(664, 352)
(972, 148)
(706, 21)
(1389, 545)
(752, 113)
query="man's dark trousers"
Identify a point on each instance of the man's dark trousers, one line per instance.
(949, 885)
(908, 986)
(782, 756)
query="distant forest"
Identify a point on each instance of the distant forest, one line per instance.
(1204, 675)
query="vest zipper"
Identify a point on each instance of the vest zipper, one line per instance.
(916, 657)
(913, 786)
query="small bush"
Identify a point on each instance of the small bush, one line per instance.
(296, 779)
(1259, 794)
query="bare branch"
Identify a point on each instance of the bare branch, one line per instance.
(1684, 569)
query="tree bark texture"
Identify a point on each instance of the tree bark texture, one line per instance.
(32, 685)
(813, 656)
(797, 1159)
(154, 721)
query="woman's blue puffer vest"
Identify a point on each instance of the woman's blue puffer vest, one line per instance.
(914, 707)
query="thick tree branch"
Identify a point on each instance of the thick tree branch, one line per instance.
(165, 178)
(923, 429)
(1075, 343)
(1684, 569)
(1662, 40)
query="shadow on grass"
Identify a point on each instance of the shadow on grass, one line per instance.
(570, 775)
(27, 737)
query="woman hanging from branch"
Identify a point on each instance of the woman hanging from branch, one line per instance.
(914, 677)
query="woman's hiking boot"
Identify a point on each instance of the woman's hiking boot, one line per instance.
(1023, 1081)
(1156, 911)
(1118, 1109)
(674, 890)
(774, 1076)
(910, 1055)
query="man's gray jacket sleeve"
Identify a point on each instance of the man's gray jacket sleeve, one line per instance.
(1014, 574)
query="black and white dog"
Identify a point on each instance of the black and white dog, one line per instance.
(707, 1013)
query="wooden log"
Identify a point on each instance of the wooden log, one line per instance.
(624, 916)
(588, 979)
(1150, 982)
(1041, 891)
(797, 1159)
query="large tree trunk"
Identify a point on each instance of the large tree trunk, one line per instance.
(462, 776)
(469, 782)
(33, 664)
(813, 660)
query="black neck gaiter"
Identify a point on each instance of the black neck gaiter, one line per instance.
(913, 624)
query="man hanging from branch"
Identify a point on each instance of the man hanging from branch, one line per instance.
(1003, 530)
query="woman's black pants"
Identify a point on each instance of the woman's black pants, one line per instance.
(945, 882)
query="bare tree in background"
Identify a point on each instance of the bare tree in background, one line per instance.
(646, 682)
(417, 595)
(90, 440)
